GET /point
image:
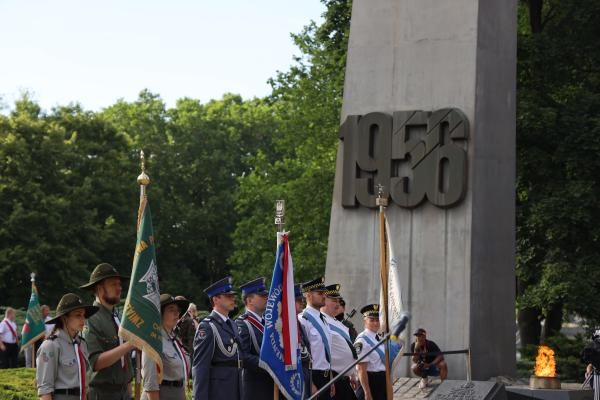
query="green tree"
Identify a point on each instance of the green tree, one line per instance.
(558, 140)
(307, 100)
(60, 209)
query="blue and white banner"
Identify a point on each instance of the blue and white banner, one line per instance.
(280, 350)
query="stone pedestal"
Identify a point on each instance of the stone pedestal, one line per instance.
(456, 260)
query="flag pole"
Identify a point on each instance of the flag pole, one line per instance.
(33, 345)
(279, 221)
(382, 202)
(143, 180)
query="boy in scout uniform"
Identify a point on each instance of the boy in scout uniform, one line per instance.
(217, 358)
(63, 368)
(176, 363)
(256, 382)
(109, 355)
(371, 372)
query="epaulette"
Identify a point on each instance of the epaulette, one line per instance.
(52, 337)
(243, 317)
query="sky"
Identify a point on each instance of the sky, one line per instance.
(96, 52)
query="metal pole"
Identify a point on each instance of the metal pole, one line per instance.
(138, 373)
(279, 221)
(382, 203)
(469, 364)
(385, 338)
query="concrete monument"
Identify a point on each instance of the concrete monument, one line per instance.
(429, 114)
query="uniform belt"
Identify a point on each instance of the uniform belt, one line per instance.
(324, 372)
(228, 364)
(377, 373)
(113, 387)
(172, 383)
(68, 392)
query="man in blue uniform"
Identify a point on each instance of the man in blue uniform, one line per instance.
(256, 382)
(217, 355)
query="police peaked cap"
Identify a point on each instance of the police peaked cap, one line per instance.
(223, 286)
(316, 285)
(370, 311)
(333, 291)
(255, 286)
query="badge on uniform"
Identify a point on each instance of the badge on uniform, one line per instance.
(202, 333)
(358, 346)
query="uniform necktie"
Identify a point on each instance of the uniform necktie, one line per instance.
(82, 371)
(181, 354)
(117, 322)
(377, 337)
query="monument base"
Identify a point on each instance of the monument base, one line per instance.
(526, 393)
(407, 389)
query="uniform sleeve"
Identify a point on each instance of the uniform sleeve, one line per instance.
(204, 345)
(250, 360)
(47, 367)
(91, 336)
(149, 374)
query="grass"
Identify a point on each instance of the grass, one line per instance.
(17, 384)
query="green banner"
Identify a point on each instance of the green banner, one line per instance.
(34, 327)
(141, 322)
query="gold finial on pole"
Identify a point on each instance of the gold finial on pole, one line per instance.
(143, 179)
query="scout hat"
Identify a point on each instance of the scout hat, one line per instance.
(70, 302)
(224, 286)
(182, 302)
(333, 291)
(101, 272)
(370, 311)
(255, 286)
(316, 285)
(298, 291)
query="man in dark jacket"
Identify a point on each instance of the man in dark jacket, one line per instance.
(217, 359)
(256, 382)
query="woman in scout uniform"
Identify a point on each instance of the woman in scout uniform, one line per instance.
(371, 372)
(63, 369)
(176, 363)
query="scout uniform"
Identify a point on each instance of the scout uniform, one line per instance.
(376, 360)
(319, 336)
(256, 382)
(176, 363)
(102, 334)
(63, 368)
(342, 349)
(217, 359)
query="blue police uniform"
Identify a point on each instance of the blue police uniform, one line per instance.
(217, 358)
(256, 382)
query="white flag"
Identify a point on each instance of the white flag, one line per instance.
(395, 304)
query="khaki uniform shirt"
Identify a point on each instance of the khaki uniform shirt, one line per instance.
(57, 366)
(101, 335)
(174, 369)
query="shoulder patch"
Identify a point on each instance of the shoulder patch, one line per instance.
(358, 346)
(201, 333)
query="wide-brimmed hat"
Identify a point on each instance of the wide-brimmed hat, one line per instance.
(182, 302)
(71, 302)
(101, 272)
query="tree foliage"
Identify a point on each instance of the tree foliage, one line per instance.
(558, 141)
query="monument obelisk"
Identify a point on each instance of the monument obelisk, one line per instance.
(429, 113)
